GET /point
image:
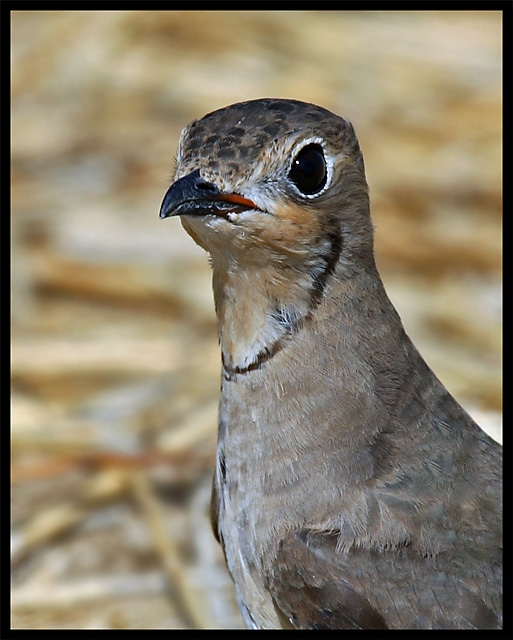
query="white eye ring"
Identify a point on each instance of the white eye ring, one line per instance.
(317, 142)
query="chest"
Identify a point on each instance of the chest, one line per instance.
(239, 515)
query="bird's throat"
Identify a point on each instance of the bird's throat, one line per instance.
(257, 312)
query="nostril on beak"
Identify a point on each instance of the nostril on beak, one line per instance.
(206, 186)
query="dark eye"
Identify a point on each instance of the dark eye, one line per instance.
(308, 171)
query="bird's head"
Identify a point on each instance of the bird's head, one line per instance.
(269, 180)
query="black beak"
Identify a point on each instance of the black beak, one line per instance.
(193, 196)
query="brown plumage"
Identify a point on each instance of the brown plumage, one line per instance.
(351, 490)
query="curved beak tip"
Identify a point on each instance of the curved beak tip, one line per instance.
(168, 204)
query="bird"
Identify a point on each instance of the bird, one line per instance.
(351, 490)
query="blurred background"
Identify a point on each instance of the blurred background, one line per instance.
(115, 362)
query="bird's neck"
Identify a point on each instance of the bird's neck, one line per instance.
(258, 309)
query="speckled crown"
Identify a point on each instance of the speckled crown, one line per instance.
(235, 135)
